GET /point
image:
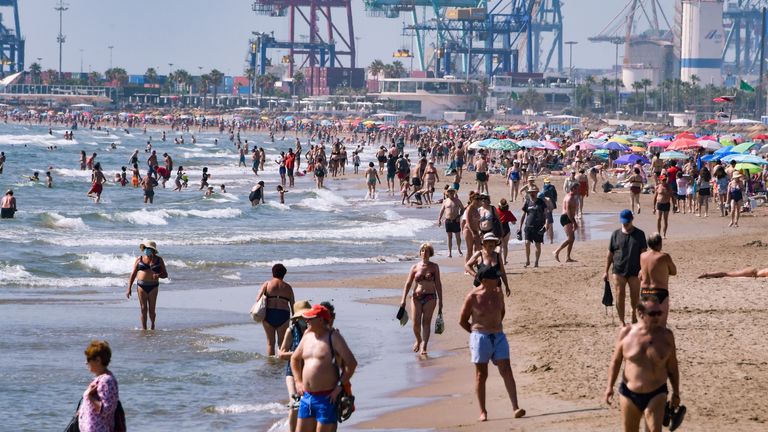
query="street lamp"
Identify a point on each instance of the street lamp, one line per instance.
(110, 55)
(616, 103)
(570, 58)
(61, 38)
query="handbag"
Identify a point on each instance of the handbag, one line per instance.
(74, 425)
(259, 309)
(439, 324)
(607, 294)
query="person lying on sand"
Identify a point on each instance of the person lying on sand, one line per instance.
(746, 272)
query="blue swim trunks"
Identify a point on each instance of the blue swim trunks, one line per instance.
(459, 163)
(488, 346)
(317, 407)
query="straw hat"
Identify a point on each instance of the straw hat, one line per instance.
(490, 237)
(300, 307)
(148, 244)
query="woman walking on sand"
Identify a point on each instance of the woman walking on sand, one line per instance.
(427, 295)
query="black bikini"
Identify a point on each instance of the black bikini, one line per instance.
(156, 267)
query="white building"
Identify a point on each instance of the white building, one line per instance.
(429, 97)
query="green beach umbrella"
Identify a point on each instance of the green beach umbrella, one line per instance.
(748, 168)
(508, 145)
(743, 147)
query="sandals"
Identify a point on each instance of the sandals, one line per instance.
(673, 418)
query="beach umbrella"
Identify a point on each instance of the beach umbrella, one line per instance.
(669, 155)
(584, 145)
(509, 145)
(630, 159)
(761, 137)
(637, 149)
(530, 144)
(494, 145)
(613, 145)
(500, 129)
(549, 145)
(683, 144)
(659, 144)
(748, 168)
(763, 149)
(744, 147)
(607, 130)
(620, 140)
(709, 145)
(744, 158)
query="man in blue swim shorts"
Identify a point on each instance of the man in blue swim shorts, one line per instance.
(322, 365)
(481, 316)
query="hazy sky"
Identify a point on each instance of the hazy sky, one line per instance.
(214, 33)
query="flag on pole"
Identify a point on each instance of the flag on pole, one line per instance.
(743, 85)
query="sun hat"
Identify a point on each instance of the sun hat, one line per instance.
(148, 244)
(300, 307)
(490, 237)
(626, 216)
(531, 178)
(317, 311)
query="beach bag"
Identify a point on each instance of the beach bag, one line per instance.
(120, 425)
(439, 324)
(74, 424)
(551, 193)
(607, 294)
(259, 309)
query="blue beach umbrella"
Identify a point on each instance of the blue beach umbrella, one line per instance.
(629, 159)
(744, 158)
(530, 144)
(613, 145)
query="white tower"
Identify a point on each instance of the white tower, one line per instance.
(702, 41)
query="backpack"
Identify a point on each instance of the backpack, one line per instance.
(551, 193)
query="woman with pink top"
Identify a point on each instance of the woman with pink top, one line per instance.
(97, 409)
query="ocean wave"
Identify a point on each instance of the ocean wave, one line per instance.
(17, 275)
(159, 217)
(189, 155)
(57, 221)
(67, 172)
(323, 200)
(107, 263)
(41, 140)
(310, 262)
(273, 408)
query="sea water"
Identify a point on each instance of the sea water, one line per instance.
(65, 262)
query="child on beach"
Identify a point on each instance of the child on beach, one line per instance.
(281, 191)
(209, 192)
(356, 160)
(405, 189)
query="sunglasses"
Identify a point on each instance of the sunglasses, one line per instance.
(654, 314)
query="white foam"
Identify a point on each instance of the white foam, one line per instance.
(391, 215)
(188, 155)
(66, 172)
(324, 200)
(233, 276)
(273, 408)
(19, 276)
(309, 262)
(35, 140)
(159, 217)
(56, 221)
(107, 263)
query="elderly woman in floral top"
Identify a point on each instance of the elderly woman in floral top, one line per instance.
(97, 410)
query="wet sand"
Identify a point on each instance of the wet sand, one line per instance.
(561, 336)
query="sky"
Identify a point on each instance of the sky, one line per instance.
(214, 33)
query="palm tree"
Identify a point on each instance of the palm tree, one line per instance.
(605, 82)
(618, 83)
(376, 68)
(645, 82)
(267, 83)
(35, 70)
(150, 76)
(531, 100)
(250, 73)
(52, 75)
(299, 80)
(695, 80)
(398, 69)
(118, 75)
(182, 78)
(637, 85)
(94, 78)
(216, 77)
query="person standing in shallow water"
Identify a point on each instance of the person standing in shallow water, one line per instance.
(148, 269)
(427, 294)
(280, 302)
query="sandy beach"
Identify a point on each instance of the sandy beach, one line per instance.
(562, 337)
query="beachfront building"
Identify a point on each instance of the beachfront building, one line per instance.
(506, 90)
(429, 98)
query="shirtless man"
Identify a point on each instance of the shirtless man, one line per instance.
(97, 183)
(568, 221)
(458, 157)
(481, 174)
(8, 205)
(148, 184)
(451, 210)
(648, 351)
(484, 306)
(655, 269)
(371, 177)
(470, 226)
(322, 366)
(662, 203)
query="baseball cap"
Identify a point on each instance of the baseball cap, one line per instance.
(317, 311)
(626, 216)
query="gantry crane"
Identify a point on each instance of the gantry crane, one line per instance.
(11, 42)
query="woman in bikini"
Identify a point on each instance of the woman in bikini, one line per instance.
(147, 272)
(280, 302)
(635, 188)
(427, 294)
(735, 197)
(488, 264)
